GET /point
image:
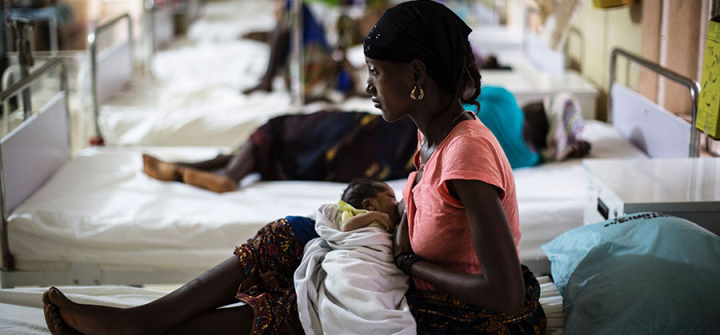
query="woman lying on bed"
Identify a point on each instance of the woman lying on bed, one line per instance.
(327, 146)
(539, 132)
(458, 242)
(341, 146)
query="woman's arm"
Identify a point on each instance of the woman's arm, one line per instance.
(500, 287)
(364, 219)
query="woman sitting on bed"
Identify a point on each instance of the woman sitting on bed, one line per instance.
(326, 146)
(457, 242)
(540, 132)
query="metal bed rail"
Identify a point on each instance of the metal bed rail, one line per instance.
(8, 260)
(152, 9)
(692, 85)
(92, 46)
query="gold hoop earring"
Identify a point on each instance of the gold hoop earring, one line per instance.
(413, 93)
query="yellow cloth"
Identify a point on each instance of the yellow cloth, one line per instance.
(347, 211)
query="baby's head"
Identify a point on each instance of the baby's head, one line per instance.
(372, 195)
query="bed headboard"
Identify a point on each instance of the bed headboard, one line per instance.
(650, 127)
(31, 153)
(112, 69)
(162, 26)
(159, 28)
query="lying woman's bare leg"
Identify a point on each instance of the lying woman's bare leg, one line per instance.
(160, 170)
(193, 306)
(226, 178)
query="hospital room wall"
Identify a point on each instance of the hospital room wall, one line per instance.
(664, 31)
(88, 12)
(593, 35)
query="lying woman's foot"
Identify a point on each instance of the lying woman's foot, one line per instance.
(64, 317)
(160, 170)
(209, 181)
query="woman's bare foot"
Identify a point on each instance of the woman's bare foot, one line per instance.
(65, 317)
(208, 180)
(52, 318)
(160, 170)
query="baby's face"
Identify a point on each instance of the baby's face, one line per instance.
(386, 203)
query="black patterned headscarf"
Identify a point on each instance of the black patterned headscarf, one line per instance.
(424, 30)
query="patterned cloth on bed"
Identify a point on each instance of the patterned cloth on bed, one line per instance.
(334, 146)
(270, 260)
(438, 313)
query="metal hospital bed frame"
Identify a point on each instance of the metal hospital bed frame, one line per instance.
(37, 164)
(159, 19)
(29, 156)
(92, 274)
(110, 71)
(107, 71)
(655, 131)
(648, 126)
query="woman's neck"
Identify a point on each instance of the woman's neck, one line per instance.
(435, 126)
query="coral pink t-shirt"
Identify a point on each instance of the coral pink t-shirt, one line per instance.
(437, 223)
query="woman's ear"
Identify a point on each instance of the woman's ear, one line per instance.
(419, 72)
(368, 205)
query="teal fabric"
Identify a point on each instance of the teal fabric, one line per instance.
(500, 113)
(643, 273)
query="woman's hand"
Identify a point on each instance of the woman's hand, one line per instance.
(401, 239)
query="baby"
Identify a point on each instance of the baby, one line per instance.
(347, 279)
(368, 203)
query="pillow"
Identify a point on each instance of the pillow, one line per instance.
(644, 273)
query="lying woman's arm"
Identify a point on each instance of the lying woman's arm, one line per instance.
(500, 287)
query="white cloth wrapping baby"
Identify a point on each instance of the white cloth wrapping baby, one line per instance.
(347, 282)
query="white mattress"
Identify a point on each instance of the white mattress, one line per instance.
(101, 208)
(21, 309)
(228, 20)
(551, 196)
(194, 98)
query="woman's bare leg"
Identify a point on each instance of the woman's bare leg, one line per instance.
(226, 178)
(216, 163)
(169, 171)
(189, 304)
(234, 320)
(160, 170)
(279, 42)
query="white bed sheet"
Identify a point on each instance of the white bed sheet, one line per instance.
(21, 308)
(551, 196)
(228, 20)
(101, 208)
(194, 98)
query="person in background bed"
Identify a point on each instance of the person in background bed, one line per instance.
(457, 241)
(326, 146)
(323, 72)
(539, 132)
